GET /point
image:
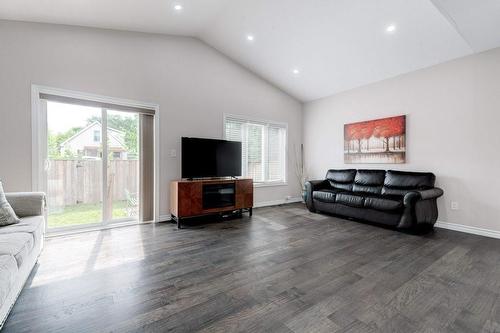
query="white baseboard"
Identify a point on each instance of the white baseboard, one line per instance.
(468, 229)
(277, 202)
(165, 218)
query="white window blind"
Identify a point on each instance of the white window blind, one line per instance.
(263, 148)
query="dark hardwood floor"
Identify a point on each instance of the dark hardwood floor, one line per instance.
(283, 270)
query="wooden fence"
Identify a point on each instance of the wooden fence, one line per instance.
(72, 182)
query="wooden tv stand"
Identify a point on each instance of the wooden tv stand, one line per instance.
(190, 198)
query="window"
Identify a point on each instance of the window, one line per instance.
(90, 152)
(97, 136)
(263, 148)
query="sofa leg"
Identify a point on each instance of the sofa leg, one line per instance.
(312, 210)
(425, 228)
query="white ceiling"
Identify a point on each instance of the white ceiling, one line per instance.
(336, 44)
(156, 16)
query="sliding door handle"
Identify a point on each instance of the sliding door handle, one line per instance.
(47, 164)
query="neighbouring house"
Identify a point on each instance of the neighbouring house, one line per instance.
(87, 143)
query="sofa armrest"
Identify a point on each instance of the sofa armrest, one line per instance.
(311, 186)
(27, 203)
(414, 196)
(315, 185)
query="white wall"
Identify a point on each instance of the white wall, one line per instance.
(453, 119)
(193, 84)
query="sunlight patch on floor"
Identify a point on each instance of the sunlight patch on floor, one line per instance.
(93, 248)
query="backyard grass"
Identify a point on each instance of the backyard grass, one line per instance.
(84, 214)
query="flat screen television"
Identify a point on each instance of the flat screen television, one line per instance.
(210, 158)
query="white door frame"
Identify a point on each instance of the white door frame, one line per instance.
(39, 134)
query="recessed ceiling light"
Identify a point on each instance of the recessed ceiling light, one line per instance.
(178, 7)
(391, 28)
(296, 71)
(250, 38)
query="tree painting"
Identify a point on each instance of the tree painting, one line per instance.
(376, 141)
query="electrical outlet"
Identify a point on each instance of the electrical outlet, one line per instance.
(173, 153)
(454, 205)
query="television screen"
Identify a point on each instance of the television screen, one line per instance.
(210, 158)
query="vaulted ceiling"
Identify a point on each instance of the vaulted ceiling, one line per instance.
(310, 49)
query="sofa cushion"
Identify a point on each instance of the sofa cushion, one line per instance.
(28, 224)
(8, 274)
(369, 181)
(341, 179)
(31, 224)
(402, 182)
(385, 203)
(34, 225)
(350, 199)
(326, 195)
(18, 244)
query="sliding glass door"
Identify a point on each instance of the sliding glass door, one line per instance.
(122, 191)
(74, 165)
(92, 165)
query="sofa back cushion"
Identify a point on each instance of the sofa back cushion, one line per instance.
(402, 182)
(341, 179)
(369, 181)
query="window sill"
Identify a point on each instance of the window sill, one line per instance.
(270, 184)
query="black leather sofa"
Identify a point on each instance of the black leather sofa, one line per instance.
(405, 200)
